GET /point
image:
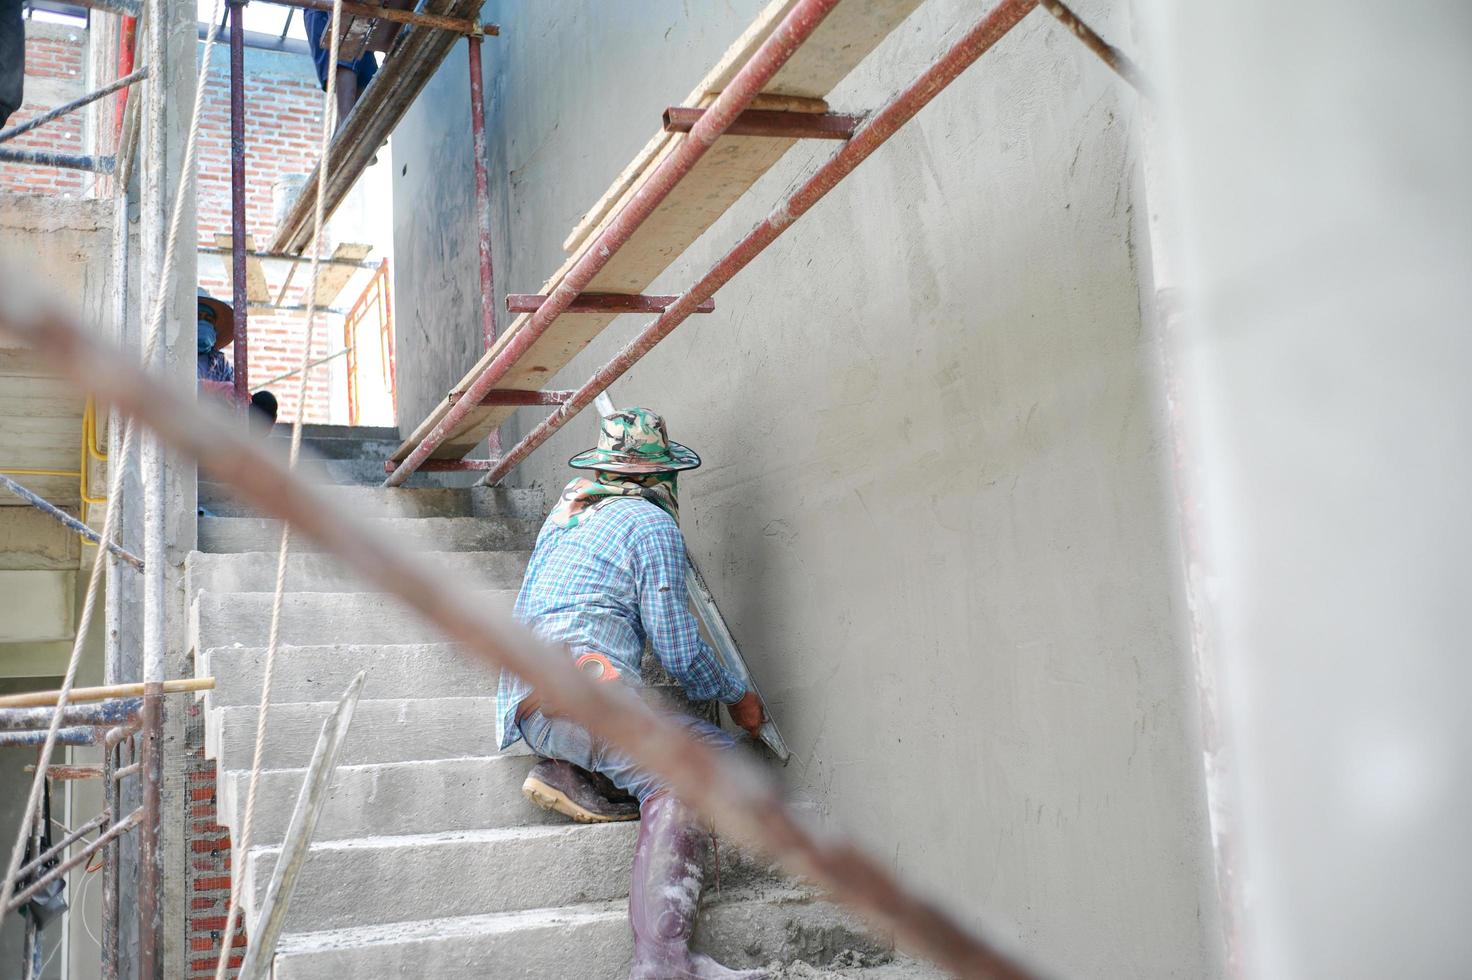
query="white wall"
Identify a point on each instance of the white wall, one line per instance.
(1321, 153)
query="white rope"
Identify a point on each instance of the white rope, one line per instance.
(242, 849)
(116, 468)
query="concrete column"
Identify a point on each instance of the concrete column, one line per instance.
(168, 481)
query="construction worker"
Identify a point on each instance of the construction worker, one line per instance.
(608, 571)
(352, 76)
(215, 329)
(12, 58)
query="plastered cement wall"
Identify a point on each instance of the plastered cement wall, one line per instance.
(934, 505)
(1321, 375)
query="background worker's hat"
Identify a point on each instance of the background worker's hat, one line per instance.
(635, 441)
(224, 318)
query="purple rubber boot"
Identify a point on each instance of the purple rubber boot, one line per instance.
(664, 897)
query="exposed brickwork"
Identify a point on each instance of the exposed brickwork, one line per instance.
(282, 130)
(54, 57)
(283, 119)
(207, 878)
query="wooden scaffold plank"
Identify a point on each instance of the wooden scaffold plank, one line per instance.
(845, 37)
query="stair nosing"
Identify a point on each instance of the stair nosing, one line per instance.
(484, 835)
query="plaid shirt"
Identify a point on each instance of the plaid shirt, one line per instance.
(214, 367)
(605, 585)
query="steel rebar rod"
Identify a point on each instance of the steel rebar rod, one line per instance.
(872, 135)
(106, 713)
(111, 869)
(1116, 59)
(72, 106)
(51, 510)
(764, 63)
(103, 839)
(63, 844)
(481, 156)
(240, 300)
(78, 735)
(62, 161)
(727, 788)
(439, 22)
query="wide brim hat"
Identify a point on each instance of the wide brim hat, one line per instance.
(635, 441)
(224, 318)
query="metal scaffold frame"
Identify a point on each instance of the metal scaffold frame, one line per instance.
(728, 115)
(730, 792)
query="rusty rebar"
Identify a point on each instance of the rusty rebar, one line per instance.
(1116, 59)
(739, 799)
(72, 106)
(51, 510)
(240, 299)
(103, 839)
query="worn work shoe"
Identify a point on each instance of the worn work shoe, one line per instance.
(561, 786)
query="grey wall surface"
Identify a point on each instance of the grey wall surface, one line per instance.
(934, 505)
(1322, 377)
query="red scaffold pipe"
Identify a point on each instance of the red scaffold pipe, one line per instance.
(764, 63)
(880, 127)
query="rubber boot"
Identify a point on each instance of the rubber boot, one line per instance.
(664, 896)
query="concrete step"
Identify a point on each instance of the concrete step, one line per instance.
(255, 571)
(377, 880)
(590, 941)
(322, 673)
(387, 799)
(373, 501)
(227, 619)
(230, 535)
(406, 730)
(358, 447)
(325, 430)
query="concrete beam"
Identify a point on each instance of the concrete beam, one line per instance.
(30, 540)
(40, 606)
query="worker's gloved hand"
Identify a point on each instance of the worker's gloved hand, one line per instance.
(747, 713)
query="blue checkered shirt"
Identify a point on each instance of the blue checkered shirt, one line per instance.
(212, 366)
(604, 585)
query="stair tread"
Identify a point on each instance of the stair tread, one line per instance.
(487, 836)
(451, 927)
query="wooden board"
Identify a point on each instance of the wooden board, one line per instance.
(416, 57)
(256, 289)
(723, 175)
(332, 278)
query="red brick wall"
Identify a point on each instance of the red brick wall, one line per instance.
(283, 119)
(282, 133)
(207, 878)
(53, 53)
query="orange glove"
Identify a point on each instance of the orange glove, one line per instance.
(747, 713)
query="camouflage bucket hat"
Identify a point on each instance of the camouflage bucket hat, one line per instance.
(635, 441)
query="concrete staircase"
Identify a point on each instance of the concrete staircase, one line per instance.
(427, 861)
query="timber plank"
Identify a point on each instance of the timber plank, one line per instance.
(722, 176)
(256, 289)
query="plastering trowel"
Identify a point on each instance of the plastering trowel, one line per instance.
(721, 639)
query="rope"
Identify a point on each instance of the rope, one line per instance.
(329, 105)
(115, 474)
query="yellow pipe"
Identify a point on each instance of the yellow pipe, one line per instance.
(22, 472)
(89, 432)
(89, 449)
